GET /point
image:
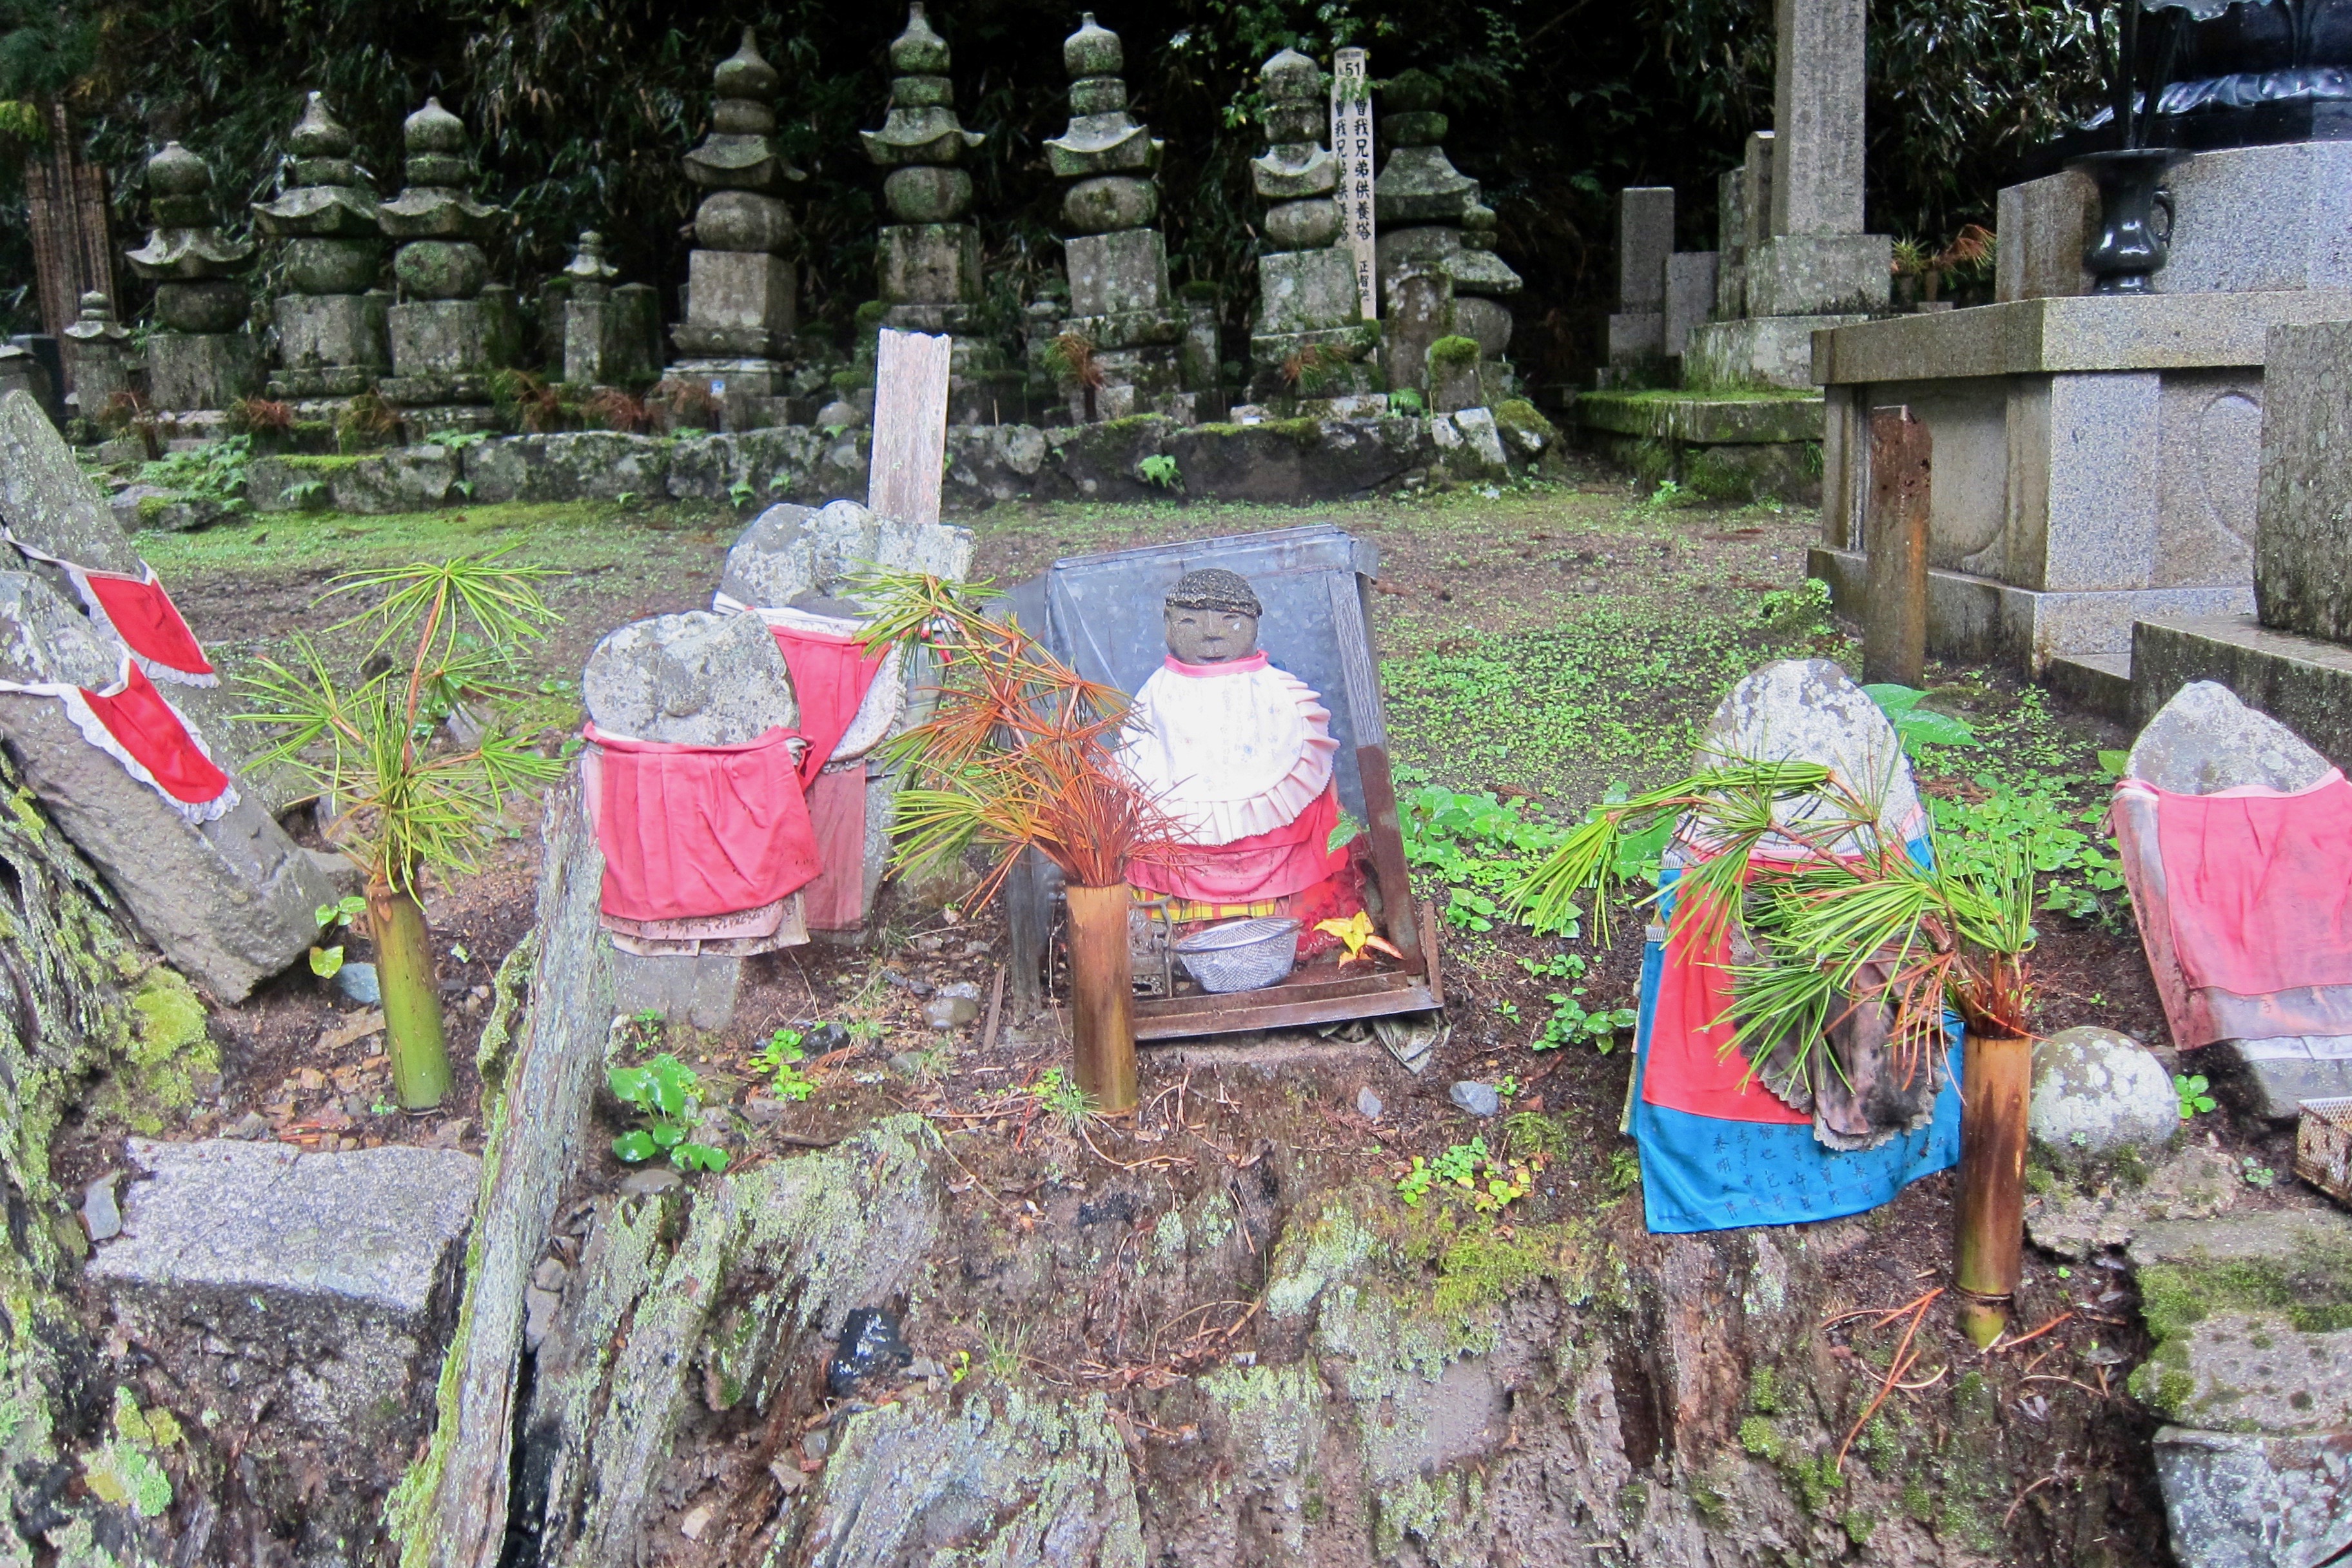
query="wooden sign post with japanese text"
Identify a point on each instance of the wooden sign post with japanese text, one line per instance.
(1351, 142)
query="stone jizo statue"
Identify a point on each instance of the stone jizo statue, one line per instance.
(1240, 755)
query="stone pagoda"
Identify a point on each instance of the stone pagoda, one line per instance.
(453, 327)
(611, 336)
(1119, 304)
(741, 298)
(1310, 338)
(204, 358)
(1433, 226)
(927, 261)
(97, 351)
(331, 325)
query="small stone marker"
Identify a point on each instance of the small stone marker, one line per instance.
(1351, 142)
(2096, 1092)
(2303, 509)
(1368, 1105)
(1819, 84)
(1895, 537)
(910, 426)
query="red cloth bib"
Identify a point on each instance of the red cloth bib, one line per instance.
(1691, 1065)
(1290, 859)
(151, 730)
(142, 614)
(146, 620)
(690, 832)
(830, 678)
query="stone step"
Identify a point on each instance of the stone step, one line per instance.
(2100, 683)
(2252, 1371)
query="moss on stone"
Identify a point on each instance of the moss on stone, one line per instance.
(1759, 1437)
(1454, 352)
(2313, 1293)
(1273, 1412)
(1714, 475)
(167, 1043)
(1517, 416)
(1480, 1266)
(322, 463)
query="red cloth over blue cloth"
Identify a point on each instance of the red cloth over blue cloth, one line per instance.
(690, 832)
(1273, 865)
(1716, 1155)
(151, 730)
(1691, 1065)
(2258, 886)
(831, 675)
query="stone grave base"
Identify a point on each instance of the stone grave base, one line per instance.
(1978, 620)
(435, 419)
(1723, 446)
(1757, 350)
(201, 369)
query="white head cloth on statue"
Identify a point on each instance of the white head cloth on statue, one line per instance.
(1230, 750)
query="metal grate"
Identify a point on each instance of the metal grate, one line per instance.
(2323, 1148)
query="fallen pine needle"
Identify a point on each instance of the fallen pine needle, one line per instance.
(1905, 1359)
(2022, 1339)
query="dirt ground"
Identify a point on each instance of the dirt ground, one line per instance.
(1543, 644)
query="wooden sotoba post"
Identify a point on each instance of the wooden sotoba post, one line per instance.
(1894, 540)
(910, 426)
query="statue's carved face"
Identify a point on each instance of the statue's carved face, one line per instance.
(1210, 636)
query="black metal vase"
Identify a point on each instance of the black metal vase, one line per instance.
(2134, 217)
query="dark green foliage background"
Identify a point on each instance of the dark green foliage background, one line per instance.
(582, 108)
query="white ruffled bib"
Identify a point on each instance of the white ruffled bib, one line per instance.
(1230, 751)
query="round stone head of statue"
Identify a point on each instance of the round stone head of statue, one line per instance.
(1211, 617)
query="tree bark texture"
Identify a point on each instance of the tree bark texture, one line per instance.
(453, 1514)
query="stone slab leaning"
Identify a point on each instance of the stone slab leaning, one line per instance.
(230, 902)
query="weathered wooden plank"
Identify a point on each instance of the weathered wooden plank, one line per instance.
(910, 426)
(73, 251)
(538, 1126)
(1894, 539)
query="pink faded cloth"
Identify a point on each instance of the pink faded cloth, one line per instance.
(2246, 905)
(832, 673)
(836, 901)
(690, 832)
(1290, 860)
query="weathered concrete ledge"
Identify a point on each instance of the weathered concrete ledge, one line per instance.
(1275, 462)
(2077, 333)
(2303, 683)
(1709, 418)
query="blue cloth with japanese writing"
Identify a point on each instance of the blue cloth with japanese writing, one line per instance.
(1702, 1173)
